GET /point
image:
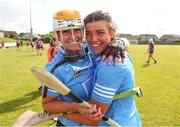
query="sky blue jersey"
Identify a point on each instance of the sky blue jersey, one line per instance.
(68, 73)
(109, 80)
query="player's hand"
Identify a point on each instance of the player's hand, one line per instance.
(93, 114)
(83, 110)
(114, 50)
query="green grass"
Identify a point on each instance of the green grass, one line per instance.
(160, 82)
(18, 87)
(5, 39)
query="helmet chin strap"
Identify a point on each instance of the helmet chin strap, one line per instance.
(74, 58)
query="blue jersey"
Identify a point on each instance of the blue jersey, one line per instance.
(109, 80)
(77, 76)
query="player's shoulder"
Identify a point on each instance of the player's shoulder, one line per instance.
(110, 69)
(112, 65)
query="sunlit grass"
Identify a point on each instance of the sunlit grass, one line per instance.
(160, 83)
(5, 39)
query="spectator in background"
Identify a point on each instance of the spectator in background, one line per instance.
(39, 46)
(27, 44)
(32, 46)
(151, 51)
(2, 44)
(17, 44)
(21, 43)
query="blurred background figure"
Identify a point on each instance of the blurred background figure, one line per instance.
(39, 46)
(21, 43)
(32, 46)
(17, 44)
(2, 44)
(151, 51)
(27, 44)
(52, 51)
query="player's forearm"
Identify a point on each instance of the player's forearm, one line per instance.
(80, 119)
(59, 107)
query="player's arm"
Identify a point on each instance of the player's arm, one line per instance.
(75, 111)
(53, 105)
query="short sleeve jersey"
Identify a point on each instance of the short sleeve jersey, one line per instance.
(77, 76)
(109, 80)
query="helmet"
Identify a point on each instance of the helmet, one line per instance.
(151, 40)
(125, 41)
(67, 19)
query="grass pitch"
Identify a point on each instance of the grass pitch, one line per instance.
(160, 105)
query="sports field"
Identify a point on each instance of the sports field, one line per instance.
(160, 105)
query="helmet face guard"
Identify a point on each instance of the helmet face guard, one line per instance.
(72, 49)
(66, 23)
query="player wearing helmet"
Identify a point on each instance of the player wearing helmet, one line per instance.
(73, 65)
(151, 51)
(65, 23)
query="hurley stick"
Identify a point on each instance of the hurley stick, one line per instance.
(52, 82)
(30, 118)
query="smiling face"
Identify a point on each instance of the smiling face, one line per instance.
(71, 39)
(99, 35)
(68, 28)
